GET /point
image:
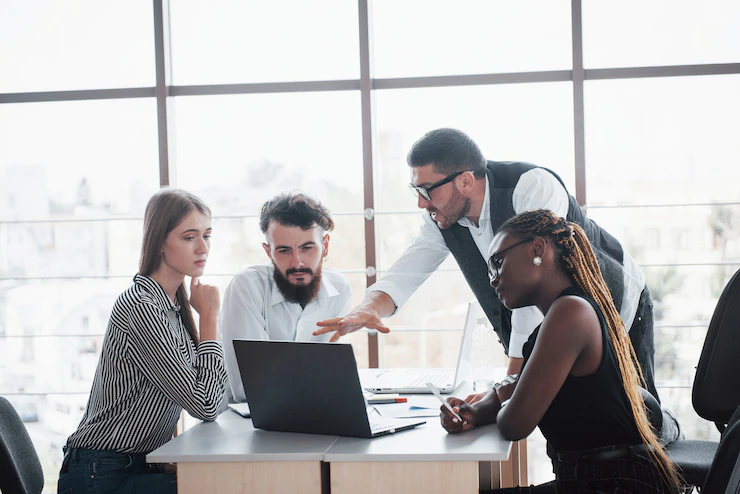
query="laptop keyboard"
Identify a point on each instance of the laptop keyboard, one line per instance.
(374, 425)
(439, 380)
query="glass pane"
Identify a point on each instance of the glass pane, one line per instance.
(663, 141)
(56, 364)
(684, 299)
(232, 41)
(433, 349)
(55, 307)
(665, 32)
(677, 352)
(70, 248)
(445, 291)
(238, 151)
(675, 234)
(526, 122)
(86, 44)
(426, 38)
(49, 420)
(694, 427)
(77, 159)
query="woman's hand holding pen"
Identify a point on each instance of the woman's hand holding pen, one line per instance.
(450, 423)
(482, 412)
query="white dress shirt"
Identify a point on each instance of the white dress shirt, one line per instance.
(253, 308)
(536, 189)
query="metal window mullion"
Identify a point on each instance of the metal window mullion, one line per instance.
(663, 71)
(366, 85)
(77, 95)
(161, 91)
(578, 112)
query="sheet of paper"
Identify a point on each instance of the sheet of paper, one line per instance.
(424, 401)
(241, 408)
(403, 410)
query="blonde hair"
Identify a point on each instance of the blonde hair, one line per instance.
(579, 262)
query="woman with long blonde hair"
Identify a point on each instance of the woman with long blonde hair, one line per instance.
(579, 382)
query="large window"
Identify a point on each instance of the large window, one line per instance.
(635, 106)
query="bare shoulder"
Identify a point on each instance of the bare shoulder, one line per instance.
(571, 316)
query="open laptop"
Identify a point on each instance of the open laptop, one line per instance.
(308, 387)
(414, 380)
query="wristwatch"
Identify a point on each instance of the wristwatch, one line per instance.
(510, 379)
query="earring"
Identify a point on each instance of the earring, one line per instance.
(537, 260)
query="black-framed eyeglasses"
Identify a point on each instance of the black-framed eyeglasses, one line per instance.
(494, 263)
(424, 192)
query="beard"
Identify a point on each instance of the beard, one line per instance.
(457, 207)
(300, 294)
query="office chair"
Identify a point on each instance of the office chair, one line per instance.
(724, 475)
(715, 393)
(20, 469)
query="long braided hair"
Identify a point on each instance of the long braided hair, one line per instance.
(577, 258)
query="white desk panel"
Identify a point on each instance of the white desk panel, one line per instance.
(232, 438)
(428, 442)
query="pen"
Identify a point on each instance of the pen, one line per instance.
(381, 401)
(436, 393)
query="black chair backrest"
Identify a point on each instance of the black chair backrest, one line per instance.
(20, 469)
(654, 412)
(716, 390)
(724, 475)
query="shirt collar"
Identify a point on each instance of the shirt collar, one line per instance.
(326, 290)
(485, 211)
(156, 291)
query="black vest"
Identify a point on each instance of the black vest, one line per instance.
(502, 178)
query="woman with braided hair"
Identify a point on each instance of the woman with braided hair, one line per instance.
(579, 383)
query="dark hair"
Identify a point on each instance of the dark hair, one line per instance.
(449, 151)
(165, 210)
(295, 209)
(577, 259)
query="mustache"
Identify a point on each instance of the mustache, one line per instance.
(290, 271)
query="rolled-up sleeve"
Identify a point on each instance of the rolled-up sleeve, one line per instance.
(523, 323)
(427, 251)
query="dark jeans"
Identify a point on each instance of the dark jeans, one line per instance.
(90, 471)
(634, 473)
(642, 336)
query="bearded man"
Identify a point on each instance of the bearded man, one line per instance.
(283, 300)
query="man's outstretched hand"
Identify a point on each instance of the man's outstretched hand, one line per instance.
(368, 314)
(359, 318)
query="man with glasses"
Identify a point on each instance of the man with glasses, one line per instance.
(467, 198)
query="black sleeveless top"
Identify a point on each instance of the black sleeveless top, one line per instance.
(589, 411)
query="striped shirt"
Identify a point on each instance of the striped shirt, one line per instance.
(149, 370)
